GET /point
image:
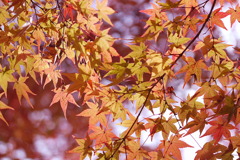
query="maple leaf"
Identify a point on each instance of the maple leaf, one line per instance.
(169, 4)
(95, 114)
(68, 11)
(169, 126)
(135, 151)
(209, 151)
(138, 51)
(6, 76)
(84, 147)
(192, 68)
(104, 11)
(204, 45)
(216, 18)
(212, 48)
(102, 41)
(209, 91)
(222, 69)
(140, 99)
(101, 135)
(156, 155)
(188, 108)
(52, 75)
(39, 36)
(235, 140)
(119, 69)
(178, 40)
(219, 129)
(189, 5)
(79, 79)
(155, 125)
(22, 90)
(219, 49)
(198, 123)
(137, 127)
(155, 21)
(172, 147)
(234, 14)
(116, 107)
(158, 63)
(192, 23)
(3, 106)
(63, 97)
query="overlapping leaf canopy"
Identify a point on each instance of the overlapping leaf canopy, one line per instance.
(69, 44)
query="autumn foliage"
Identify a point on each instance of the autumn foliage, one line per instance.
(73, 56)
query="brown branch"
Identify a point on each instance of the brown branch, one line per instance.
(145, 102)
(149, 91)
(197, 35)
(199, 32)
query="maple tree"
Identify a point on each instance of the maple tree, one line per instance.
(69, 63)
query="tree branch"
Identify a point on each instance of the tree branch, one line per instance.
(197, 35)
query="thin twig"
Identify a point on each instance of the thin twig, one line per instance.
(197, 35)
(130, 129)
(208, 17)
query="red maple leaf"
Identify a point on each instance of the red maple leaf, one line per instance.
(219, 128)
(216, 18)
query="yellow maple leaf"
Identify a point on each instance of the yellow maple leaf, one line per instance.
(104, 11)
(22, 89)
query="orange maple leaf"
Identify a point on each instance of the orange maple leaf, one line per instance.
(172, 147)
(63, 97)
(235, 14)
(95, 114)
(135, 151)
(189, 5)
(101, 135)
